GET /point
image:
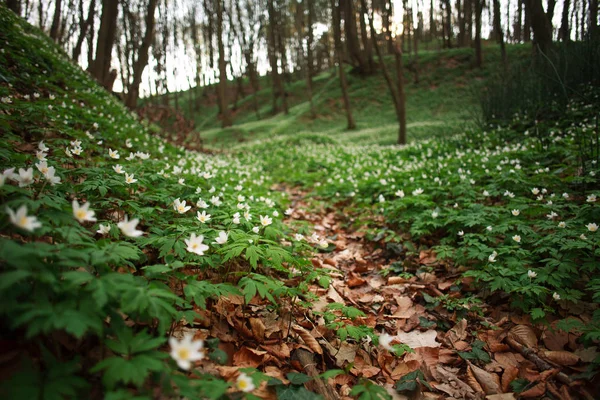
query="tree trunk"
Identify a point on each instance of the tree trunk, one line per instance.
(352, 43)
(542, 28)
(337, 35)
(283, 58)
(14, 5)
(309, 56)
(499, 33)
(85, 25)
(526, 23)
(222, 88)
(593, 10)
(388, 12)
(55, 27)
(462, 27)
(550, 10)
(564, 33)
(432, 29)
(272, 53)
(388, 79)
(100, 68)
(142, 57)
(401, 95)
(364, 35)
(448, 23)
(478, 50)
(468, 16)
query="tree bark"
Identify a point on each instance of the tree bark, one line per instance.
(14, 5)
(401, 95)
(100, 67)
(542, 28)
(593, 10)
(55, 27)
(337, 35)
(142, 57)
(564, 33)
(499, 33)
(85, 25)
(352, 43)
(222, 88)
(478, 50)
(309, 56)
(448, 23)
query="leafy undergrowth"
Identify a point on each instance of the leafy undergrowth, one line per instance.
(135, 269)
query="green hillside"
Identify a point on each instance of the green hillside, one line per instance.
(443, 102)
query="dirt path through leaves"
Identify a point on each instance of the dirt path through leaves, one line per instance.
(461, 347)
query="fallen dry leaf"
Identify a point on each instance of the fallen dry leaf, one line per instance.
(524, 335)
(309, 339)
(490, 383)
(503, 396)
(510, 374)
(246, 357)
(416, 339)
(563, 358)
(536, 391)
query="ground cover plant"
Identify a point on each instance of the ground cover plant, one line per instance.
(291, 267)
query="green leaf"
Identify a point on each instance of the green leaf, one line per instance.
(297, 378)
(296, 393)
(8, 279)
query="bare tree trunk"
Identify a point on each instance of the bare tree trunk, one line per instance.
(14, 5)
(593, 10)
(564, 33)
(401, 95)
(309, 56)
(526, 22)
(432, 28)
(85, 25)
(499, 33)
(272, 52)
(448, 23)
(142, 57)
(352, 43)
(100, 68)
(364, 35)
(55, 27)
(337, 35)
(283, 58)
(388, 79)
(542, 28)
(222, 88)
(478, 50)
(462, 27)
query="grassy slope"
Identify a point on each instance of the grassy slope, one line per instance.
(443, 102)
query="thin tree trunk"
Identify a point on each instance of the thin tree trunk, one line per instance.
(401, 95)
(364, 35)
(85, 25)
(478, 50)
(55, 27)
(594, 30)
(14, 5)
(542, 28)
(499, 33)
(336, 15)
(142, 57)
(526, 23)
(564, 33)
(272, 53)
(283, 58)
(222, 88)
(432, 28)
(309, 56)
(100, 68)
